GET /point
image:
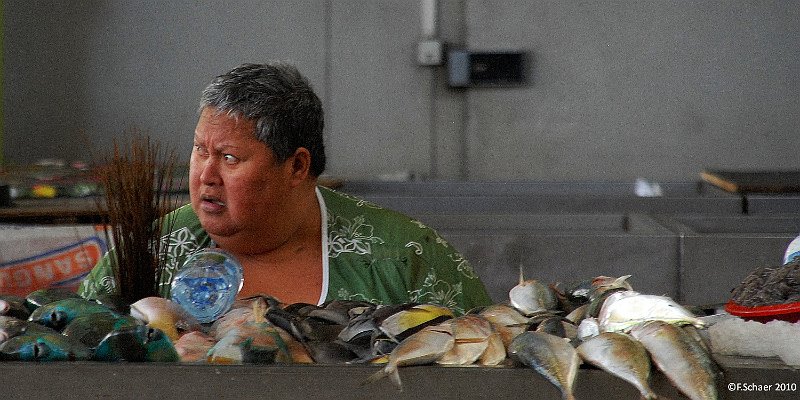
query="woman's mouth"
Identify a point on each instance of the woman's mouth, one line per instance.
(211, 204)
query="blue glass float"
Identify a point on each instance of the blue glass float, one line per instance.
(207, 284)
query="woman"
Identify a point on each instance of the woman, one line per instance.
(258, 151)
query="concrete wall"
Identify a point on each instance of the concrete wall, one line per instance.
(659, 89)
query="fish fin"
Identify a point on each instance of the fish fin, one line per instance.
(378, 375)
(394, 376)
(390, 371)
(651, 395)
(259, 307)
(521, 275)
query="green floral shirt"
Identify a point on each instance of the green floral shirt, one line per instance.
(373, 254)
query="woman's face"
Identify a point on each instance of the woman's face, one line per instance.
(237, 189)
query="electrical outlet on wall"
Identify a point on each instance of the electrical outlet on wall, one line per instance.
(430, 52)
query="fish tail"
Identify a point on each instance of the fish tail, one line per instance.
(567, 395)
(650, 395)
(394, 376)
(380, 374)
(392, 373)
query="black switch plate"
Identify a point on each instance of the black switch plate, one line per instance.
(486, 69)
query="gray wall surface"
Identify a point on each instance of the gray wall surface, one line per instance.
(617, 89)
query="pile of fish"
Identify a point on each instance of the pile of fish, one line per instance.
(550, 328)
(769, 285)
(610, 326)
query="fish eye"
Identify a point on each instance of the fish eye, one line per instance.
(152, 334)
(40, 351)
(58, 318)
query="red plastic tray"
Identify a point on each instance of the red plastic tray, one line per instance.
(785, 312)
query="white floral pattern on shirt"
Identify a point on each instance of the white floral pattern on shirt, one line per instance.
(439, 292)
(177, 245)
(345, 236)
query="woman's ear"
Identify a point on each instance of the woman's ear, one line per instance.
(300, 163)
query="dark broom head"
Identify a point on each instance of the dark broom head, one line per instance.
(136, 181)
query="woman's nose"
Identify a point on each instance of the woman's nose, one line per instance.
(209, 172)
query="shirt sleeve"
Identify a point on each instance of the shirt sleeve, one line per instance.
(100, 279)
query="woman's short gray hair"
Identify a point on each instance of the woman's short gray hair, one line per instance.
(287, 112)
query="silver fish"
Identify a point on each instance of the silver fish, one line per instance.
(495, 352)
(471, 334)
(531, 296)
(506, 320)
(551, 356)
(622, 356)
(625, 309)
(423, 347)
(684, 361)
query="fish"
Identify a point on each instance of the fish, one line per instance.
(228, 351)
(622, 356)
(40, 297)
(13, 306)
(114, 302)
(602, 283)
(594, 306)
(137, 343)
(577, 314)
(587, 329)
(193, 347)
(404, 323)
(90, 329)
(551, 356)
(263, 338)
(11, 327)
(348, 308)
(249, 321)
(623, 310)
(685, 362)
(423, 347)
(360, 327)
(531, 296)
(506, 320)
(59, 313)
(553, 325)
(39, 346)
(253, 310)
(318, 329)
(471, 333)
(495, 353)
(165, 315)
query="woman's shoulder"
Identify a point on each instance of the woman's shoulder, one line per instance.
(343, 206)
(183, 222)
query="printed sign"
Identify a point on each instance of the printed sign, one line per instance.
(62, 267)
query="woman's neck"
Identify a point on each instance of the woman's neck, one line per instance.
(291, 271)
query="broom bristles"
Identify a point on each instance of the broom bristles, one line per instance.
(136, 182)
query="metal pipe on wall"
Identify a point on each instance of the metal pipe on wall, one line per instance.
(429, 18)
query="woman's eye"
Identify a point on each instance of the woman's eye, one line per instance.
(200, 149)
(230, 159)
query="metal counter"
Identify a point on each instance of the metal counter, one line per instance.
(718, 252)
(563, 248)
(91, 380)
(419, 198)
